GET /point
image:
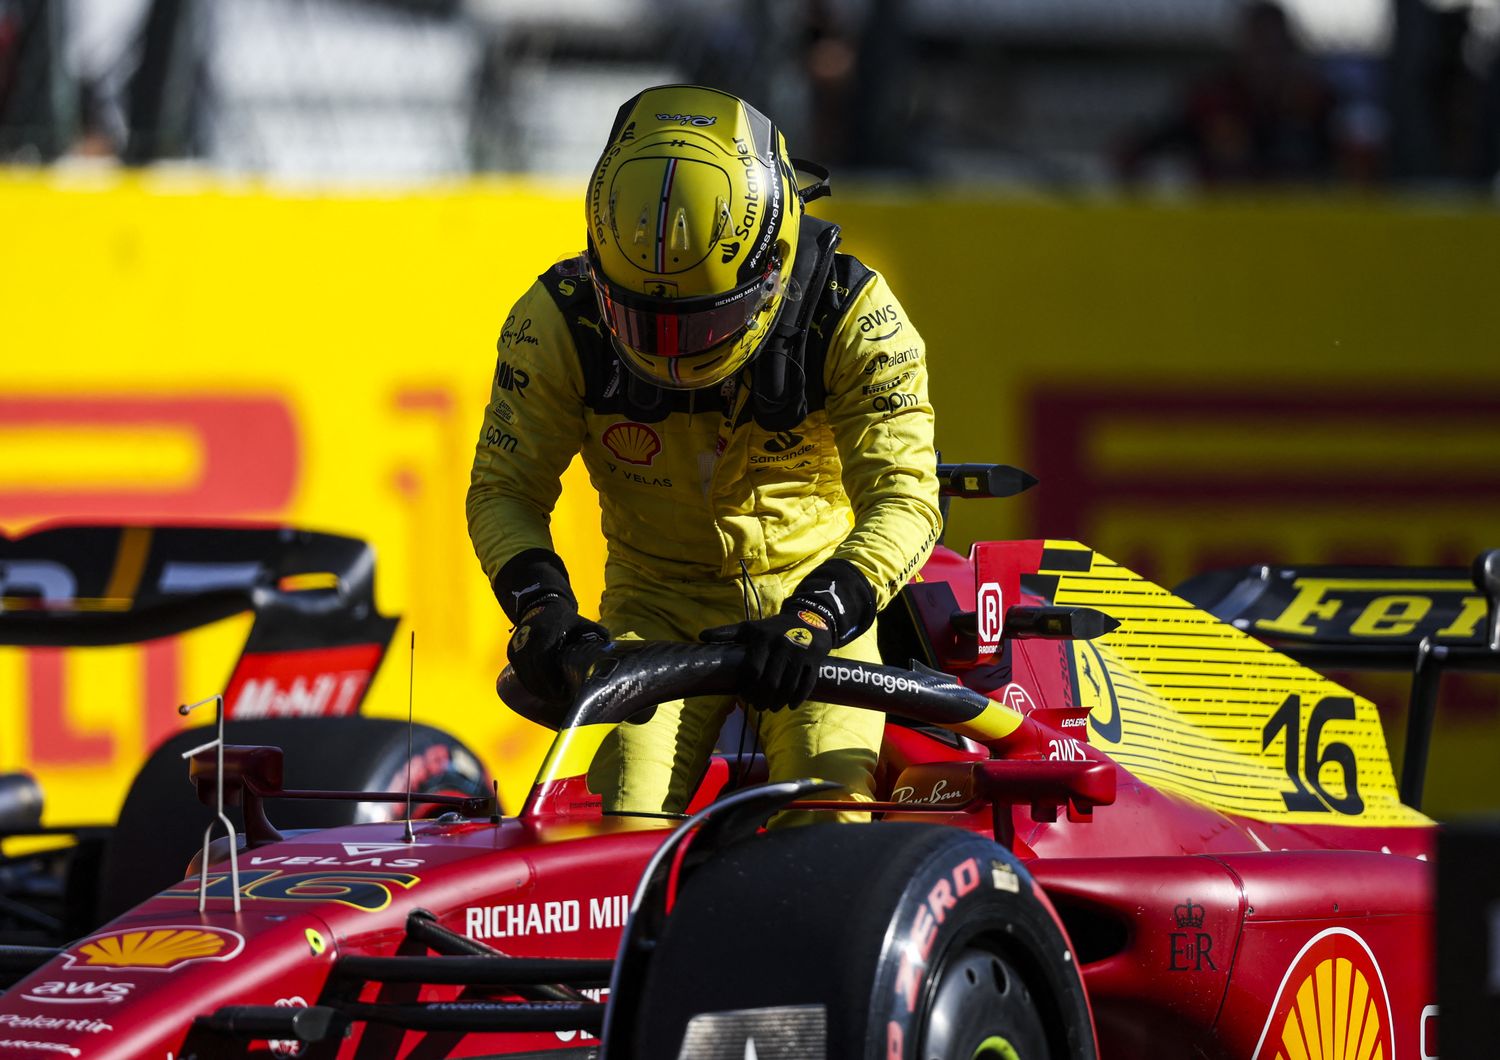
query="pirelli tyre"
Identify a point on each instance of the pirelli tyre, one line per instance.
(161, 823)
(896, 941)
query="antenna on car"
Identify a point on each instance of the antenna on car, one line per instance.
(411, 680)
(217, 745)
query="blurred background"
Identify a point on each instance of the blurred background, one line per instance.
(1223, 274)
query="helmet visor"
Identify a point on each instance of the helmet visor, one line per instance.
(678, 327)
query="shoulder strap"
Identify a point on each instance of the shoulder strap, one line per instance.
(779, 381)
(608, 387)
(846, 280)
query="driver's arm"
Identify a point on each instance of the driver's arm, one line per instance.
(876, 375)
(533, 426)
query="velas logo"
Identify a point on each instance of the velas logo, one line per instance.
(1332, 1002)
(160, 949)
(632, 442)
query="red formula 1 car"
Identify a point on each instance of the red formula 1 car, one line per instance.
(1109, 824)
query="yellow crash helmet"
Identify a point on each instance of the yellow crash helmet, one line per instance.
(692, 222)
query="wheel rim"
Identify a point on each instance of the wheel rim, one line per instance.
(995, 1048)
(980, 1009)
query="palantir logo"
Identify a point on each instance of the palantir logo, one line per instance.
(991, 616)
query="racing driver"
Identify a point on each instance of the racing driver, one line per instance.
(752, 408)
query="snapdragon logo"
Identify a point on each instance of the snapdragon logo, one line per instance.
(887, 683)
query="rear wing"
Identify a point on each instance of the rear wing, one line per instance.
(1424, 619)
(316, 640)
(1382, 611)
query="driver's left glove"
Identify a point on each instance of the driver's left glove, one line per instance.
(830, 607)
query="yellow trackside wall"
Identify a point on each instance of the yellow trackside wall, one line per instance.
(1288, 380)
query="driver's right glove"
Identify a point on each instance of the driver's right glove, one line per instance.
(533, 590)
(784, 652)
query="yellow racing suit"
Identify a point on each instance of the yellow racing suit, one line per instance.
(708, 517)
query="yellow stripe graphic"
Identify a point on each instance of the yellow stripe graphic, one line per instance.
(130, 562)
(1205, 711)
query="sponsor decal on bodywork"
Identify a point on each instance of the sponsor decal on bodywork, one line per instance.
(368, 892)
(887, 683)
(78, 992)
(306, 683)
(1360, 609)
(288, 1047)
(84, 1025)
(40, 1047)
(1189, 948)
(157, 949)
(991, 616)
(1331, 1002)
(938, 794)
(520, 919)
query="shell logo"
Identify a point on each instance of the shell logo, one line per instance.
(163, 949)
(1332, 1004)
(632, 442)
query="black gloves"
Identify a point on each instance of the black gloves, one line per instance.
(782, 655)
(533, 590)
(831, 606)
(538, 645)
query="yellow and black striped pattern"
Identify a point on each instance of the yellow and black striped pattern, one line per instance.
(1195, 707)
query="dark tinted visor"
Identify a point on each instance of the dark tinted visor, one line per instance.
(676, 327)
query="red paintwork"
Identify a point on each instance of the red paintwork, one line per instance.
(1193, 929)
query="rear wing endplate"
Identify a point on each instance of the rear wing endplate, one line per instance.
(316, 640)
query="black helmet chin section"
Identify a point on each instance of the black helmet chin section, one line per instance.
(645, 399)
(779, 383)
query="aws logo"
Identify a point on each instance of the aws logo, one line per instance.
(880, 324)
(1332, 1002)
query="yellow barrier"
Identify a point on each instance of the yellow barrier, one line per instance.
(1191, 381)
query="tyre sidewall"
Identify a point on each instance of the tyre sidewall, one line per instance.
(973, 893)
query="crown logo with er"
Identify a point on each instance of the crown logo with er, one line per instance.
(1189, 915)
